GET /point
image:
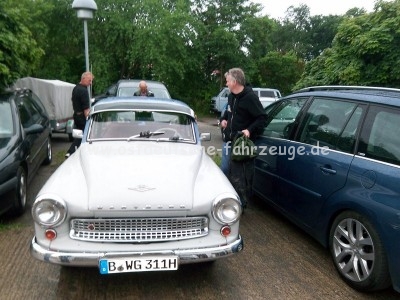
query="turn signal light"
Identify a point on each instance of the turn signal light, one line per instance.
(50, 234)
(225, 230)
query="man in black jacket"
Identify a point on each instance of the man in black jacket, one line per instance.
(246, 115)
(81, 105)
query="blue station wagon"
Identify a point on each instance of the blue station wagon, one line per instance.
(329, 160)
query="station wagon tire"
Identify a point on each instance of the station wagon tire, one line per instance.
(19, 195)
(358, 253)
(49, 155)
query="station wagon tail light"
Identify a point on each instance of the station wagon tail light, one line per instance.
(49, 210)
(226, 209)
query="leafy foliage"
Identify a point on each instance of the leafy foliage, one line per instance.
(190, 44)
(19, 52)
(364, 51)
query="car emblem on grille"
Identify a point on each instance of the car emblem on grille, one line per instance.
(141, 188)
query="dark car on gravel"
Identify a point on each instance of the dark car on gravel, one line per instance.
(25, 144)
(329, 160)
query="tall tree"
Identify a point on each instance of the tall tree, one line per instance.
(280, 71)
(19, 52)
(63, 42)
(364, 51)
(223, 36)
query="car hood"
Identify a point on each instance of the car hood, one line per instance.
(140, 175)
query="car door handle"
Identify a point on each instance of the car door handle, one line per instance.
(328, 170)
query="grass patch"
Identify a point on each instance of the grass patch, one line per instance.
(8, 226)
(58, 157)
(217, 159)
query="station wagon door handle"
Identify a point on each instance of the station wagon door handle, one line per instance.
(328, 170)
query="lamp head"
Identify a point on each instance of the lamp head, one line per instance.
(84, 8)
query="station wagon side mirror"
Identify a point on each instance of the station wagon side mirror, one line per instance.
(35, 128)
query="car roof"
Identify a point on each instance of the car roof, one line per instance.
(264, 89)
(140, 103)
(381, 95)
(6, 93)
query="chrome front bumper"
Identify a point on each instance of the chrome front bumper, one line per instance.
(91, 259)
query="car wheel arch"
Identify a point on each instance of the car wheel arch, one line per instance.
(335, 206)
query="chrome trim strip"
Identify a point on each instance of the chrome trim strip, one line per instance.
(91, 259)
(138, 230)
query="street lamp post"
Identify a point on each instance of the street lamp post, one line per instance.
(85, 10)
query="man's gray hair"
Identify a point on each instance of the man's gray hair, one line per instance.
(238, 75)
(87, 74)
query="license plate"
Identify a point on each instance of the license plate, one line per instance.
(138, 264)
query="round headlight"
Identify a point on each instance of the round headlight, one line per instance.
(226, 209)
(49, 210)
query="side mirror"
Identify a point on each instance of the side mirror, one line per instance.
(205, 136)
(77, 133)
(35, 128)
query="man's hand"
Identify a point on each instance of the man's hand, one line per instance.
(86, 112)
(223, 123)
(246, 133)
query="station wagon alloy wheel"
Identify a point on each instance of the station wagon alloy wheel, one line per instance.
(357, 252)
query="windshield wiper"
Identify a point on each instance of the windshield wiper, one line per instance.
(173, 139)
(145, 134)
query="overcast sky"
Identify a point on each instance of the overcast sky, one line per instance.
(276, 8)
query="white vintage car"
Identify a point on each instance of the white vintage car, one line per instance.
(139, 194)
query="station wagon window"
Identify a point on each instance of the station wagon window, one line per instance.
(29, 113)
(281, 120)
(380, 138)
(331, 123)
(38, 104)
(6, 120)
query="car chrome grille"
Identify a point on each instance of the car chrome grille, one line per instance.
(138, 230)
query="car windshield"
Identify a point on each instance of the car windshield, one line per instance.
(129, 91)
(130, 125)
(6, 122)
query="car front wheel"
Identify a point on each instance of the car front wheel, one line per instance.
(19, 196)
(49, 155)
(358, 253)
